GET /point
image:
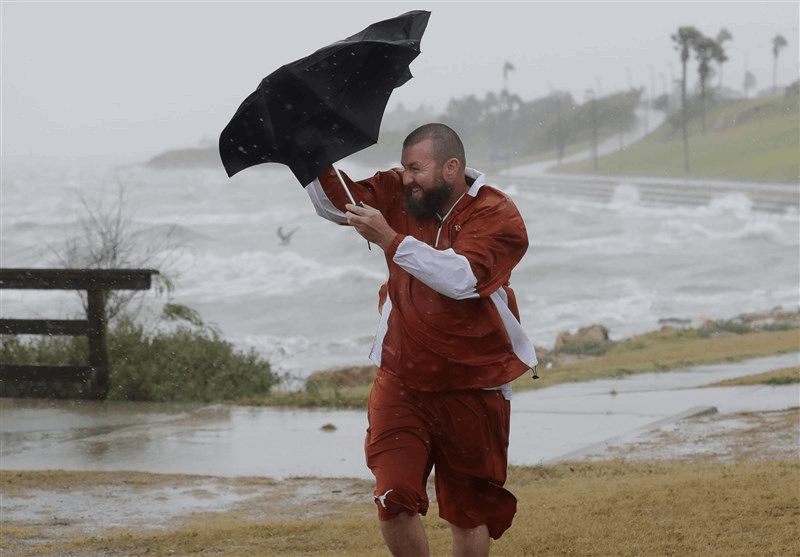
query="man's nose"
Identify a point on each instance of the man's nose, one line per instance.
(406, 176)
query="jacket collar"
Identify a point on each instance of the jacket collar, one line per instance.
(478, 178)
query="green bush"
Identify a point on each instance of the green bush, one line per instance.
(187, 364)
(71, 351)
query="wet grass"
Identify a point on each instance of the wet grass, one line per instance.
(657, 351)
(784, 376)
(588, 509)
(746, 140)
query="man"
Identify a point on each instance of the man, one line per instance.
(449, 340)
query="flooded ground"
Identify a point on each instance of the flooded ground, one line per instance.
(547, 425)
(259, 461)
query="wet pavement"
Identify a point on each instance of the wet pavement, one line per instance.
(548, 425)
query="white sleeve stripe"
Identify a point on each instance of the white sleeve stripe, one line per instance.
(323, 205)
(519, 340)
(383, 327)
(445, 271)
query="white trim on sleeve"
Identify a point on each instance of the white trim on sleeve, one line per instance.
(519, 340)
(445, 271)
(323, 206)
(383, 327)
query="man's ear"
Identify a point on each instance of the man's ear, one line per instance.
(451, 168)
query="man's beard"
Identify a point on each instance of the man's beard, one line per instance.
(430, 203)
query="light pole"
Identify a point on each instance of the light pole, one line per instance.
(590, 94)
(652, 88)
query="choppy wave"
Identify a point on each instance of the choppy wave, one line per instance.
(617, 259)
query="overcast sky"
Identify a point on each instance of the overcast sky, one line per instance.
(132, 79)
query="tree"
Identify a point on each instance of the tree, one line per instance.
(684, 40)
(507, 68)
(707, 50)
(722, 36)
(749, 82)
(778, 42)
(106, 238)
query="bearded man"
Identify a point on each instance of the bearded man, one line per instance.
(449, 341)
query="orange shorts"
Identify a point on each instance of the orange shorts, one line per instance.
(463, 434)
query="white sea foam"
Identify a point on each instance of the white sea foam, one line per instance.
(312, 304)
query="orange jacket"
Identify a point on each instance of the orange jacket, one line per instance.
(449, 319)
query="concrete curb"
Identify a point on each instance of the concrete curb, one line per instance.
(602, 445)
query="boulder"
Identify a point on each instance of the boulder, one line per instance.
(594, 333)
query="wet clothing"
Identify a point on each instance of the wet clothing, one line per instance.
(449, 319)
(463, 433)
(449, 343)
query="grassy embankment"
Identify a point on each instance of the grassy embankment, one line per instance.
(589, 509)
(748, 140)
(656, 351)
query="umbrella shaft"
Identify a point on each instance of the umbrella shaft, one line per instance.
(346, 189)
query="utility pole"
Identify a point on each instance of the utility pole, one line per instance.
(652, 88)
(590, 93)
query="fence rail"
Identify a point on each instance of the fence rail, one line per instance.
(97, 283)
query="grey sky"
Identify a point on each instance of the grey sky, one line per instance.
(131, 79)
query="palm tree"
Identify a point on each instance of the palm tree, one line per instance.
(684, 39)
(749, 82)
(706, 50)
(722, 36)
(777, 44)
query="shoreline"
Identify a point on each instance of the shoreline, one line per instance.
(584, 344)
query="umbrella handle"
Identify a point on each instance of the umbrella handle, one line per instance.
(350, 195)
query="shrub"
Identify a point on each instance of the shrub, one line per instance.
(182, 365)
(72, 351)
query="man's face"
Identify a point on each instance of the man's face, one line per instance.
(426, 191)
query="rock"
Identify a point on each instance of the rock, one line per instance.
(593, 333)
(347, 376)
(776, 317)
(703, 321)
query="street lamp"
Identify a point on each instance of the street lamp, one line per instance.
(652, 88)
(590, 94)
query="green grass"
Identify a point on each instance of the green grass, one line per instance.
(186, 364)
(783, 376)
(755, 140)
(657, 351)
(603, 509)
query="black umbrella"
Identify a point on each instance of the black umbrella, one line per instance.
(326, 106)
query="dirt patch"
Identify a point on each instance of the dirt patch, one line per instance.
(40, 507)
(715, 438)
(55, 503)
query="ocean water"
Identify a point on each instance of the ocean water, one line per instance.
(311, 304)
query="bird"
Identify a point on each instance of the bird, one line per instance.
(285, 237)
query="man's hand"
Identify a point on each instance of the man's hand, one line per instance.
(369, 222)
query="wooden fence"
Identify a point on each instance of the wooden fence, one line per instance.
(97, 283)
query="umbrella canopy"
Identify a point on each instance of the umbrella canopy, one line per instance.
(326, 106)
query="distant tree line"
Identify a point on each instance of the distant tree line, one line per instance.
(503, 127)
(707, 50)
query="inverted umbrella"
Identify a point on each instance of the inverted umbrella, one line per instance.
(326, 106)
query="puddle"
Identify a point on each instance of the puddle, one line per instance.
(234, 441)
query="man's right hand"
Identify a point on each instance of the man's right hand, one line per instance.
(370, 223)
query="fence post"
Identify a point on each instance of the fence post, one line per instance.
(98, 355)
